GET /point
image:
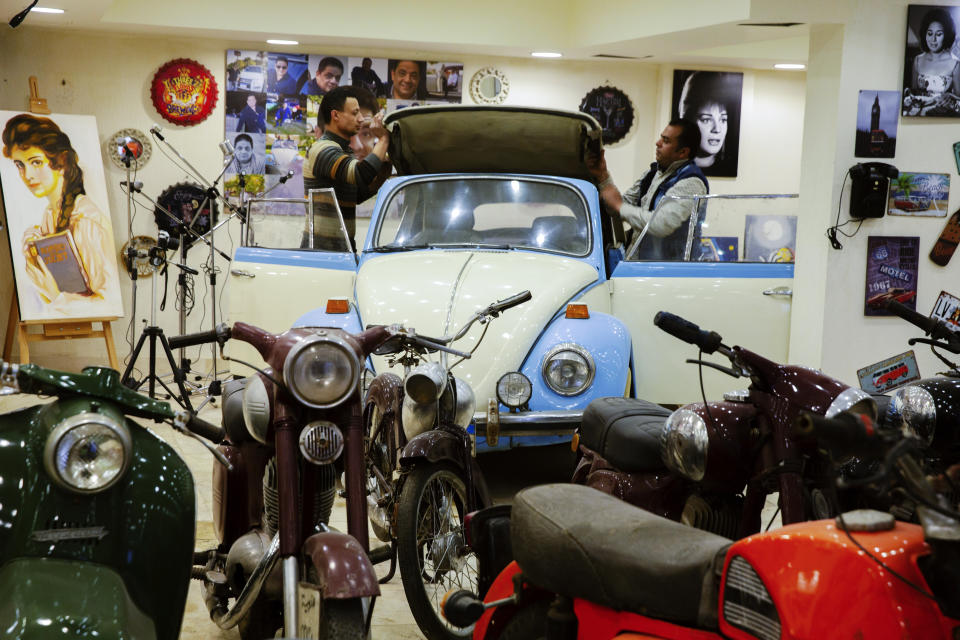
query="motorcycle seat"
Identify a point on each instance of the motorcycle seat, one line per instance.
(625, 431)
(579, 542)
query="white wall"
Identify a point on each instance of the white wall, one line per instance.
(831, 289)
(109, 76)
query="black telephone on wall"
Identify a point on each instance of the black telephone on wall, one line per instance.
(868, 188)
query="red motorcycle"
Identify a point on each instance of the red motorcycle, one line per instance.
(693, 464)
(626, 573)
(291, 429)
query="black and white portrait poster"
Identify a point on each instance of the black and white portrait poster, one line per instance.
(931, 64)
(712, 100)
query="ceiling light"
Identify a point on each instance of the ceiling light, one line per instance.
(789, 65)
(546, 54)
(282, 42)
(46, 10)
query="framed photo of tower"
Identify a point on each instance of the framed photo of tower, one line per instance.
(876, 124)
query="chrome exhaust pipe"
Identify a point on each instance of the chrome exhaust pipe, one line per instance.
(229, 619)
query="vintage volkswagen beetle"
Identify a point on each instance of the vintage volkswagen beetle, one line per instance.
(488, 201)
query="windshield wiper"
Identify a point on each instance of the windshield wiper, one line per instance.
(478, 245)
(391, 248)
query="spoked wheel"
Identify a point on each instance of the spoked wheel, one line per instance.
(432, 554)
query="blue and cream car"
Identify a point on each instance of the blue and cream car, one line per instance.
(490, 201)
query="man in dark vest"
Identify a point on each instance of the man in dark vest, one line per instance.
(643, 206)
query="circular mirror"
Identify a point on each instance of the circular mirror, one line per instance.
(489, 86)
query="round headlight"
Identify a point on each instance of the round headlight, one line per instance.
(568, 369)
(321, 371)
(684, 444)
(88, 452)
(514, 389)
(916, 411)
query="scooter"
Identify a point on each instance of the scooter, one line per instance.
(421, 473)
(626, 573)
(691, 465)
(291, 429)
(97, 513)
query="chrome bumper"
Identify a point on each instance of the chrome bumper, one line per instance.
(532, 423)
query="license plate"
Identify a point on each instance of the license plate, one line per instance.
(308, 611)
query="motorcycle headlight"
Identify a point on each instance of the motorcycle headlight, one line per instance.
(568, 369)
(684, 443)
(916, 410)
(321, 371)
(88, 452)
(514, 389)
(853, 401)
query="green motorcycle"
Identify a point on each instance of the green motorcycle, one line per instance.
(97, 513)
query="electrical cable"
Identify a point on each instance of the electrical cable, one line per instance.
(703, 393)
(831, 232)
(260, 371)
(772, 518)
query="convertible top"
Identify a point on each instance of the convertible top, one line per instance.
(491, 139)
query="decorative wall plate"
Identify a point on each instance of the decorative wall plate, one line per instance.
(132, 142)
(489, 86)
(612, 109)
(187, 202)
(184, 91)
(141, 255)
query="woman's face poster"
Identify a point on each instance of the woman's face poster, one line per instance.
(58, 218)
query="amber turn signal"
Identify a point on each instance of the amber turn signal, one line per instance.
(575, 442)
(578, 311)
(338, 305)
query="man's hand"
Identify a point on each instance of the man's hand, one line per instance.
(597, 166)
(376, 125)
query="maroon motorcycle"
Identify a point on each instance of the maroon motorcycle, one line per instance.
(712, 464)
(291, 429)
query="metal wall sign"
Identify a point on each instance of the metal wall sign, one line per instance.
(947, 309)
(889, 374)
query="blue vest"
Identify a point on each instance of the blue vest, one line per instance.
(672, 246)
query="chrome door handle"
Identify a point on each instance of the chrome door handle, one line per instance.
(242, 273)
(779, 291)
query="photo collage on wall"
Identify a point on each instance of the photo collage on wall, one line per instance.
(273, 108)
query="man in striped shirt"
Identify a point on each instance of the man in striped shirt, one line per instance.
(330, 161)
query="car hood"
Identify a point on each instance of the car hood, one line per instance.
(492, 139)
(436, 292)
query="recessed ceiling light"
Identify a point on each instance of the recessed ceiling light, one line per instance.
(546, 54)
(46, 10)
(789, 65)
(282, 42)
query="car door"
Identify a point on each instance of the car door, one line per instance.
(289, 263)
(733, 287)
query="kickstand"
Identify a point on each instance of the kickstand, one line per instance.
(393, 564)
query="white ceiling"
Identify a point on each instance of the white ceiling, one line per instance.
(707, 32)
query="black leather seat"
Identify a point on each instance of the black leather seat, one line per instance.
(625, 431)
(580, 542)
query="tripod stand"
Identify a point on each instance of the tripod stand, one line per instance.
(155, 333)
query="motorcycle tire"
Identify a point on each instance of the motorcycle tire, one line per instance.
(262, 621)
(342, 620)
(433, 503)
(529, 623)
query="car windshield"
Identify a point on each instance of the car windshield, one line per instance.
(487, 212)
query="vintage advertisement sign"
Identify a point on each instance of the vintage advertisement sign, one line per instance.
(947, 309)
(919, 194)
(892, 263)
(184, 91)
(889, 374)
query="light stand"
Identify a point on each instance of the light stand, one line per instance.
(128, 157)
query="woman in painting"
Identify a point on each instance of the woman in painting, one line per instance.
(935, 73)
(708, 100)
(48, 166)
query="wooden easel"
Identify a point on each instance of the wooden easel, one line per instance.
(72, 329)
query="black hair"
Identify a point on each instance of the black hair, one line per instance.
(689, 135)
(329, 61)
(334, 101)
(279, 58)
(367, 100)
(949, 30)
(702, 88)
(243, 136)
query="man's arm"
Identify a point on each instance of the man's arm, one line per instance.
(670, 214)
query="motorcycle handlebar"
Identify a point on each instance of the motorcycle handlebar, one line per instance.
(205, 429)
(936, 329)
(502, 305)
(845, 434)
(706, 341)
(221, 334)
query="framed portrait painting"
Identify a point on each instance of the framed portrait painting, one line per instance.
(61, 236)
(712, 100)
(931, 62)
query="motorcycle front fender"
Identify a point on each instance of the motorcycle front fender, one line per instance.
(343, 569)
(437, 446)
(43, 598)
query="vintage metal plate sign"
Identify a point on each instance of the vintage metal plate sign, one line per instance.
(889, 374)
(947, 309)
(184, 91)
